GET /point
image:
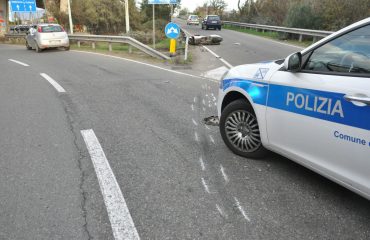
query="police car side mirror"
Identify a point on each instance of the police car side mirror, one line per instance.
(293, 62)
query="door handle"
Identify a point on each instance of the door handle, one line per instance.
(362, 99)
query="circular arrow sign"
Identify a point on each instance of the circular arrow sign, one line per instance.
(172, 30)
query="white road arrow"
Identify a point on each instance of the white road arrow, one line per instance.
(172, 30)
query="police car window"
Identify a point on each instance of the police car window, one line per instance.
(349, 53)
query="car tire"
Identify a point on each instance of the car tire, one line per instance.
(28, 46)
(38, 49)
(67, 48)
(219, 28)
(240, 130)
(206, 27)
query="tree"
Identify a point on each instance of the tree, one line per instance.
(218, 6)
(183, 12)
(301, 15)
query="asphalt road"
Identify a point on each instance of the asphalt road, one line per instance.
(178, 179)
(240, 48)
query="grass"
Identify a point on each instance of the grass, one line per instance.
(270, 35)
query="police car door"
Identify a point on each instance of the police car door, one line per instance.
(320, 115)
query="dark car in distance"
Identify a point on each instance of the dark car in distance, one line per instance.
(211, 21)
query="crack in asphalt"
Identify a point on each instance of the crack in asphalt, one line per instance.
(66, 101)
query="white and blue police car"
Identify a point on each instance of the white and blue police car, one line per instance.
(313, 107)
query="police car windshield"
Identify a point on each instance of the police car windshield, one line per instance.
(349, 53)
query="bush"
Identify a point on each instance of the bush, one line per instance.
(302, 16)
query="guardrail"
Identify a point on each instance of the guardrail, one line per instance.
(299, 31)
(108, 39)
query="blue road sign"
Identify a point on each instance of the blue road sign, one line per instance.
(162, 1)
(23, 5)
(172, 30)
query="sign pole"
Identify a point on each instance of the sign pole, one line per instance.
(70, 17)
(153, 26)
(127, 17)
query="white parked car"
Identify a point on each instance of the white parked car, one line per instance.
(193, 20)
(45, 36)
(313, 107)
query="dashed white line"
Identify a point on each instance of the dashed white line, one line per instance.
(202, 165)
(204, 109)
(19, 62)
(192, 107)
(205, 185)
(121, 221)
(219, 209)
(226, 178)
(207, 127)
(195, 99)
(53, 83)
(194, 122)
(196, 137)
(241, 209)
(211, 138)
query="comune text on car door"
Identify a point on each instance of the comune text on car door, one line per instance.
(320, 114)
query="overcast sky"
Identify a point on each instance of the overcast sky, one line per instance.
(192, 4)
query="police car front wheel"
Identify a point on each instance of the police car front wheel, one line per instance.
(240, 131)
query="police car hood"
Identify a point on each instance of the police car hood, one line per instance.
(257, 71)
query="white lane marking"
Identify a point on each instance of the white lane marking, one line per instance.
(53, 83)
(209, 105)
(194, 122)
(195, 99)
(207, 127)
(220, 58)
(222, 213)
(19, 62)
(204, 102)
(121, 221)
(192, 107)
(196, 137)
(203, 166)
(205, 185)
(204, 109)
(186, 32)
(216, 104)
(241, 209)
(142, 63)
(212, 140)
(226, 178)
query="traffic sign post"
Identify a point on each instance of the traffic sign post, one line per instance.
(155, 2)
(172, 31)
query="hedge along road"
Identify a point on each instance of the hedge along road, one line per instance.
(177, 178)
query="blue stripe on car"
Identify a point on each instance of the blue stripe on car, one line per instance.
(329, 106)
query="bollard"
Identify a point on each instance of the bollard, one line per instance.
(300, 38)
(78, 44)
(93, 45)
(110, 47)
(172, 47)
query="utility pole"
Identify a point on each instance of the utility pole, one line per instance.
(70, 17)
(127, 17)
